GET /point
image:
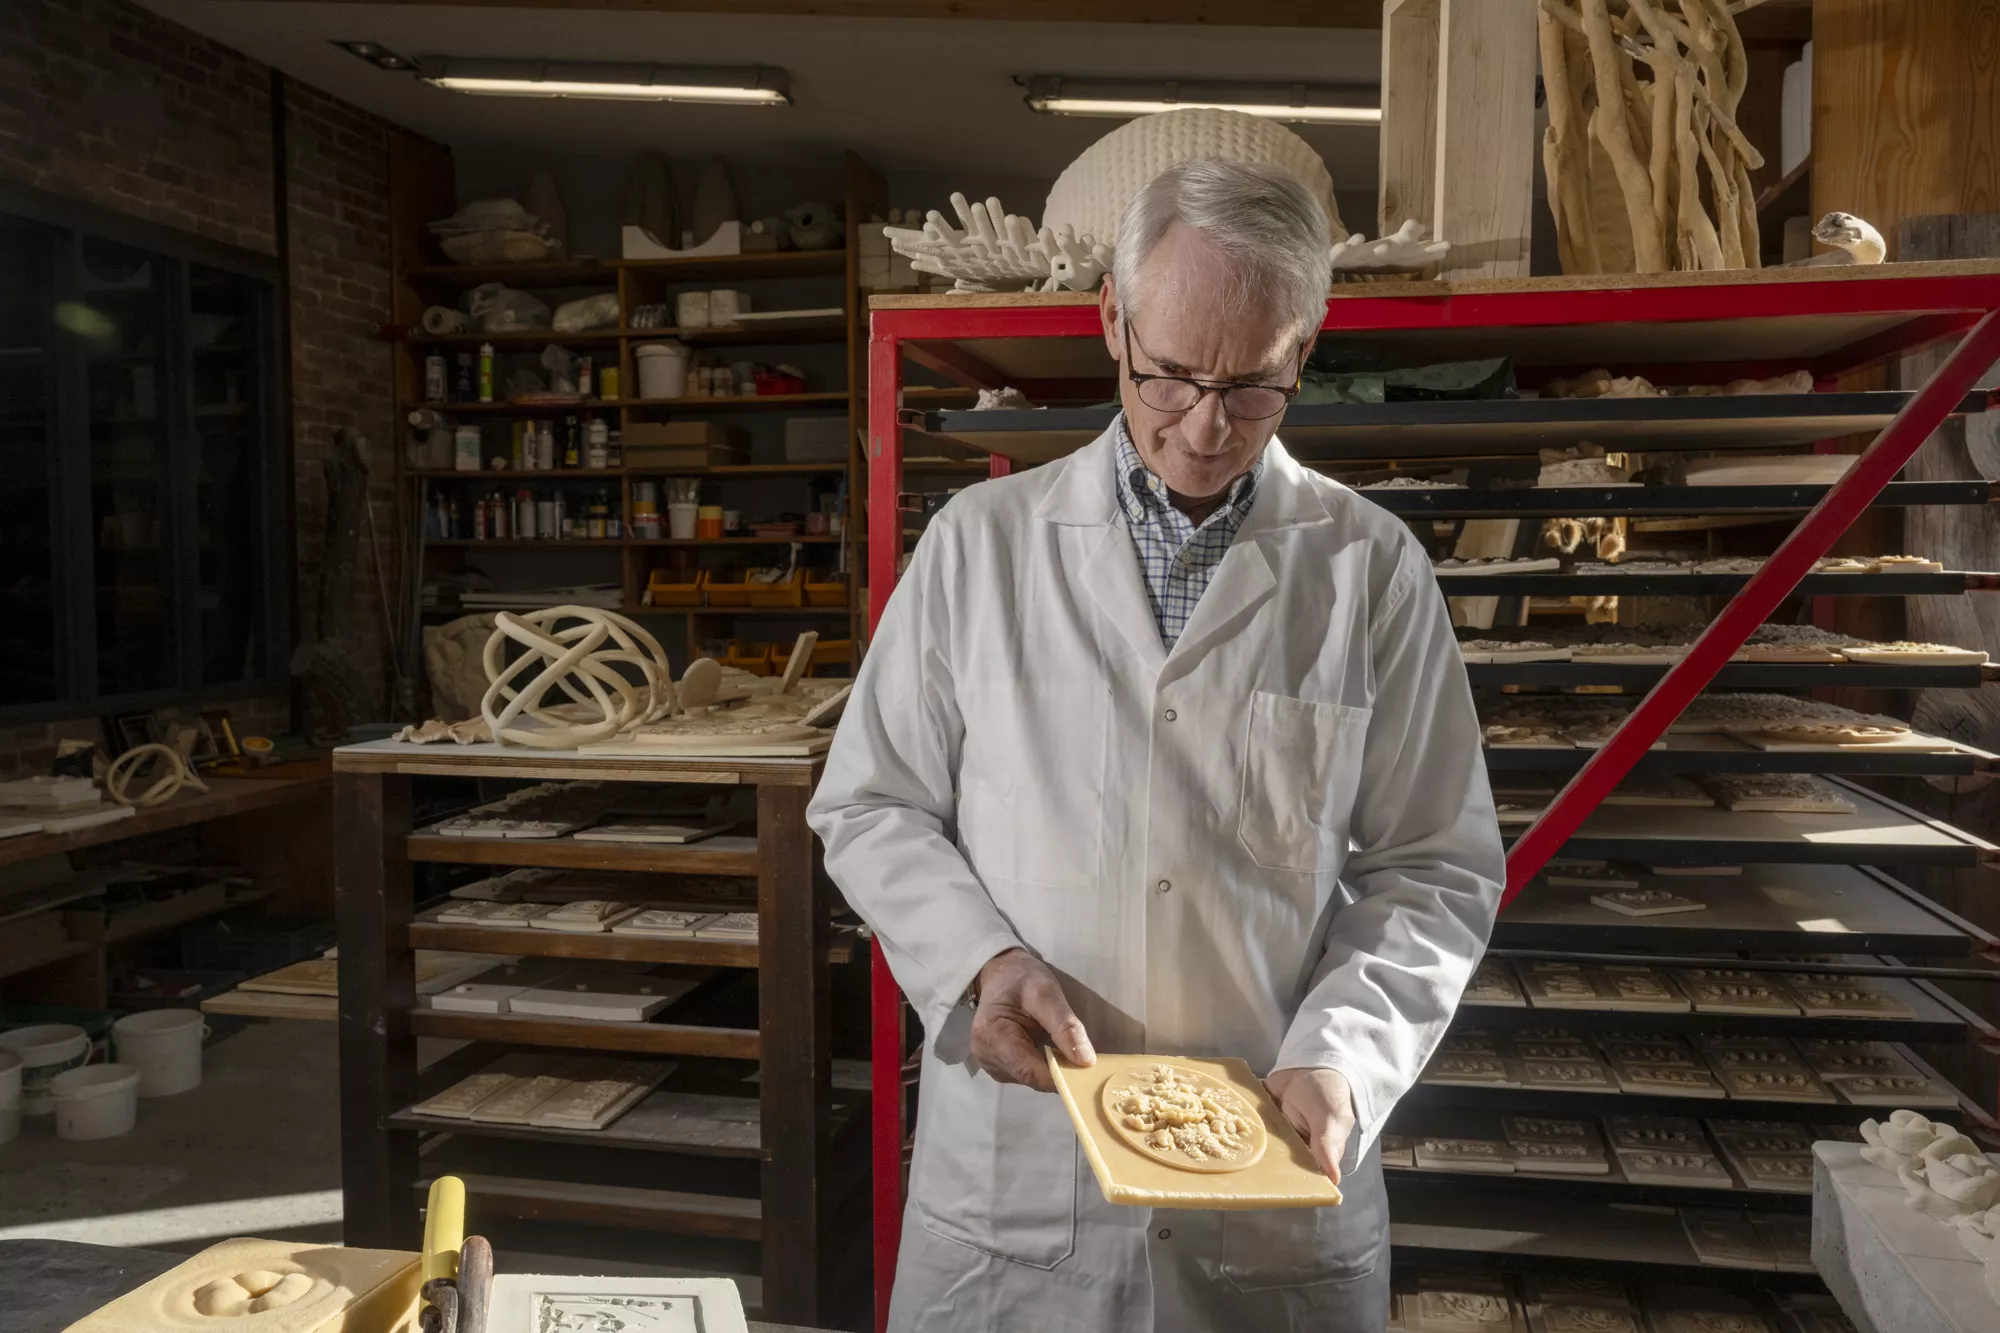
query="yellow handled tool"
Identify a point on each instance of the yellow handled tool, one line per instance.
(444, 1228)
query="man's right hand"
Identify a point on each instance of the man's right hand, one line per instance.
(1021, 1004)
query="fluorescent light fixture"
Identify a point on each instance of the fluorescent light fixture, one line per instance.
(758, 85)
(1298, 103)
(377, 54)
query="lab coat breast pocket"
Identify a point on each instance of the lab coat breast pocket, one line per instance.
(1301, 769)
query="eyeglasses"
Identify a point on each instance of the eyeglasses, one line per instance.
(1177, 393)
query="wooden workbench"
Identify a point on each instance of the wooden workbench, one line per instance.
(793, 1110)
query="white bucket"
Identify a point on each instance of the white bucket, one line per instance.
(663, 369)
(164, 1045)
(681, 520)
(98, 1103)
(46, 1050)
(10, 1096)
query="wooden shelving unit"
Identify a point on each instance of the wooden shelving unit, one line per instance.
(1806, 886)
(790, 1124)
(833, 275)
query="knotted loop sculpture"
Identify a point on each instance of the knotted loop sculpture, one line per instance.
(563, 649)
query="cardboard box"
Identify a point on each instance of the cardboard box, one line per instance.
(684, 444)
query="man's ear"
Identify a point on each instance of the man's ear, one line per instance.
(1107, 314)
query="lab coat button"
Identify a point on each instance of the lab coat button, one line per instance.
(1166, 886)
(1172, 715)
(1166, 1233)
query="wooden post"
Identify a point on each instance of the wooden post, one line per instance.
(1409, 113)
(795, 1028)
(378, 1056)
(1485, 161)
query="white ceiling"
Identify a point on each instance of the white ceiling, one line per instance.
(913, 95)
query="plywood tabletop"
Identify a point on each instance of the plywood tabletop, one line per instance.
(489, 760)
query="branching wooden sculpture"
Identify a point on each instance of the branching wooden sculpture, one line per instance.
(1647, 169)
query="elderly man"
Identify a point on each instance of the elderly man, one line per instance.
(1166, 747)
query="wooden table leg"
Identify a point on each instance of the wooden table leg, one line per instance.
(794, 1023)
(378, 1058)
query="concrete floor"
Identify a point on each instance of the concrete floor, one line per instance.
(255, 1150)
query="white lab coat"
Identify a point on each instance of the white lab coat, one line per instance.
(1274, 842)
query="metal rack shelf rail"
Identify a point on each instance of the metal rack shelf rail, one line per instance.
(1675, 329)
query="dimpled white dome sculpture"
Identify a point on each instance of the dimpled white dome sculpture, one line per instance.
(1091, 194)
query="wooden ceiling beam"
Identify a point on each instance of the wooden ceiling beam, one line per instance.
(1232, 13)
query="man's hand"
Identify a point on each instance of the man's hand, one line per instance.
(1320, 1106)
(1021, 1004)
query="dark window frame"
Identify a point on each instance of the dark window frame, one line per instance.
(69, 463)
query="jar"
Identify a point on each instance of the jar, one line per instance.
(708, 521)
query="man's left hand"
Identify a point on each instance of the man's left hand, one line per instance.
(1320, 1107)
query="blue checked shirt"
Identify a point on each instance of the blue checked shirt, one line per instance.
(1176, 558)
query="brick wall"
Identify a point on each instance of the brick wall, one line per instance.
(106, 102)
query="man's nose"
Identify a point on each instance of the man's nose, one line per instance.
(1206, 426)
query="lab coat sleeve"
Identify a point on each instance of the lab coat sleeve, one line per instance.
(1425, 869)
(886, 807)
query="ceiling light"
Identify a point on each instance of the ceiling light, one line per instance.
(377, 54)
(1314, 104)
(743, 86)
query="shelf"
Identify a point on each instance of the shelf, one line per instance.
(589, 1035)
(518, 407)
(1325, 431)
(1734, 676)
(1778, 909)
(681, 1122)
(1536, 1101)
(225, 797)
(1545, 1234)
(746, 470)
(1722, 754)
(824, 612)
(1950, 583)
(1588, 1190)
(1880, 832)
(1566, 501)
(604, 947)
(554, 544)
(732, 541)
(55, 953)
(677, 1212)
(770, 402)
(726, 854)
(504, 474)
(748, 266)
(582, 272)
(522, 338)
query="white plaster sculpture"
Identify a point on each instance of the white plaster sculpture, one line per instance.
(452, 660)
(1908, 1137)
(564, 650)
(171, 772)
(1979, 1233)
(1853, 240)
(469, 732)
(1948, 1187)
(993, 250)
(1648, 174)
(1404, 250)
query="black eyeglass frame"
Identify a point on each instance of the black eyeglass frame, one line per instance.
(1205, 387)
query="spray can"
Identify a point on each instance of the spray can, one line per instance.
(524, 514)
(583, 377)
(486, 372)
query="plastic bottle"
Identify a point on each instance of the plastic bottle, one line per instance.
(572, 444)
(597, 445)
(583, 377)
(545, 446)
(524, 514)
(486, 372)
(547, 527)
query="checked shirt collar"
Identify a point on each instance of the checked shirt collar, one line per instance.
(1177, 558)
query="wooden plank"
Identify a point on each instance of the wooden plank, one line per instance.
(583, 1034)
(675, 1211)
(697, 1124)
(1239, 13)
(225, 797)
(262, 1004)
(1408, 173)
(606, 947)
(794, 1006)
(488, 760)
(378, 1053)
(1906, 108)
(1485, 160)
(701, 858)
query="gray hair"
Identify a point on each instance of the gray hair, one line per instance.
(1262, 218)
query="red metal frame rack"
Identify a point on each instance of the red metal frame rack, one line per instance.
(1846, 319)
